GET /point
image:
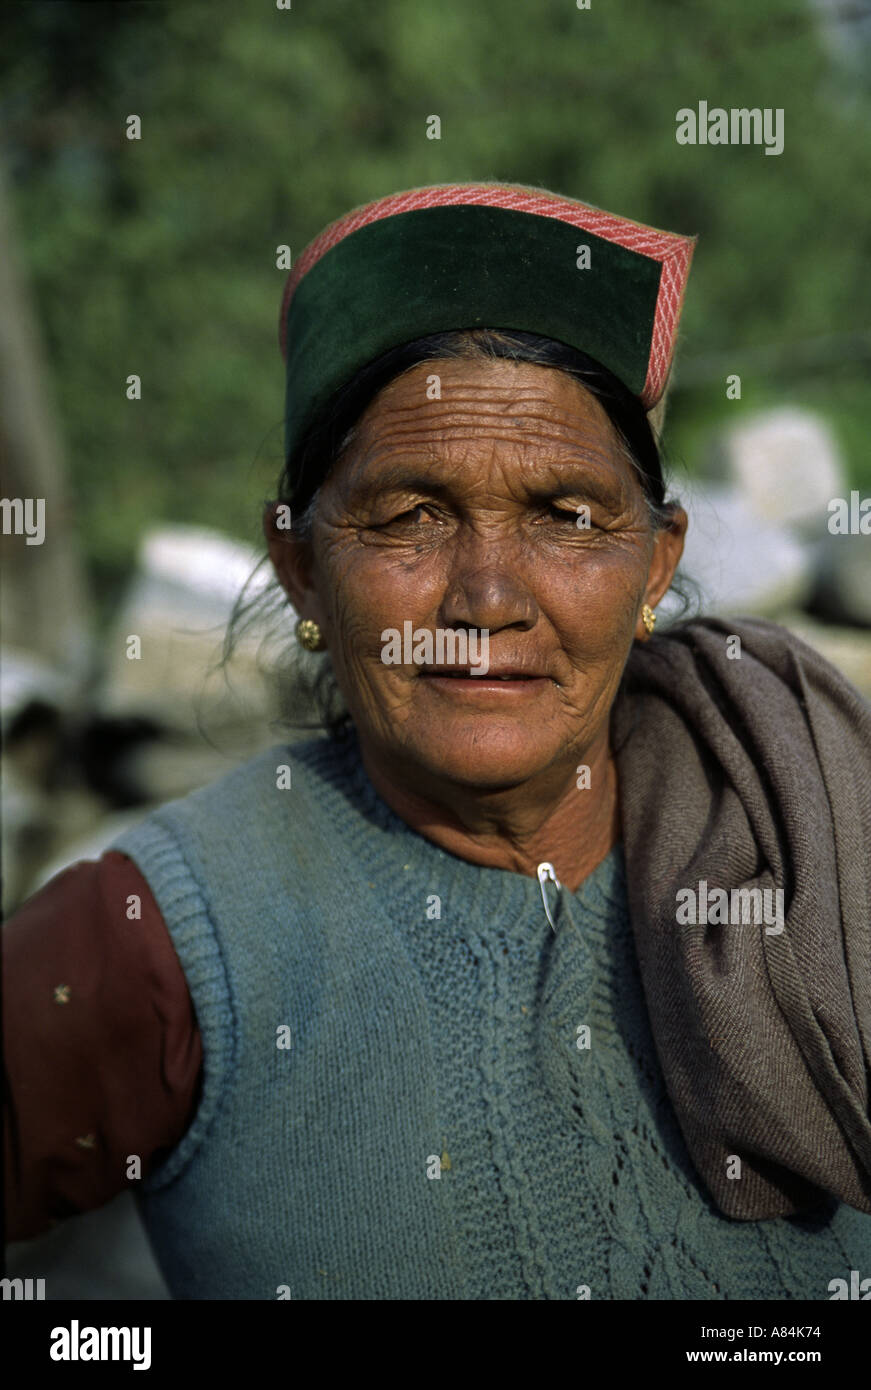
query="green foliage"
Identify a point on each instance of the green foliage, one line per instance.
(157, 256)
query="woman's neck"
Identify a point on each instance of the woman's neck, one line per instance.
(571, 826)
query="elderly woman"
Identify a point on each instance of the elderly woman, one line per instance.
(547, 973)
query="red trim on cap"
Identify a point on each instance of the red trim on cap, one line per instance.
(674, 252)
(672, 284)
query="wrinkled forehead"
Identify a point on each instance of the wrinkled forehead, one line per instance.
(462, 421)
(459, 397)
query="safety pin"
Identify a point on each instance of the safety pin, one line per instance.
(546, 872)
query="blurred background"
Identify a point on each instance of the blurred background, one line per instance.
(156, 257)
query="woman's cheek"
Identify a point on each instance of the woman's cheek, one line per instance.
(596, 604)
(370, 597)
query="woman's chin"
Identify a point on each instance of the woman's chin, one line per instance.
(486, 753)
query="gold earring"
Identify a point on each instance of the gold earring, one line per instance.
(309, 635)
(648, 617)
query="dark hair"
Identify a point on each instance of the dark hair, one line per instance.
(309, 680)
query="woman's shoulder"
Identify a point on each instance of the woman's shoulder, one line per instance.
(752, 661)
(298, 764)
(732, 635)
(276, 816)
(288, 777)
(103, 1054)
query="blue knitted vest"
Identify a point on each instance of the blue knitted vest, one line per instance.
(414, 1087)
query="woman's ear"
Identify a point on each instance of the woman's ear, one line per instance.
(667, 550)
(291, 559)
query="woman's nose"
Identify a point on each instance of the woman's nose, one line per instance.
(490, 596)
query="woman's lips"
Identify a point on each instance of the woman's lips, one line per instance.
(503, 672)
(468, 684)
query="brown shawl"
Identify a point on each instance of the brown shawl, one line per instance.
(754, 772)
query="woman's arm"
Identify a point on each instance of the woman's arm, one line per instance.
(102, 1050)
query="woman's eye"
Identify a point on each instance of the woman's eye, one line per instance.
(414, 515)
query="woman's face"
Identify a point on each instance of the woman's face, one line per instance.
(463, 513)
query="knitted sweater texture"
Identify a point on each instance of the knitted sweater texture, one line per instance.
(416, 1088)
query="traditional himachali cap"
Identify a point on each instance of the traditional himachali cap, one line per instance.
(480, 255)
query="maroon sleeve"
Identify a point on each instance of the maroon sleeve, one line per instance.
(102, 1050)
